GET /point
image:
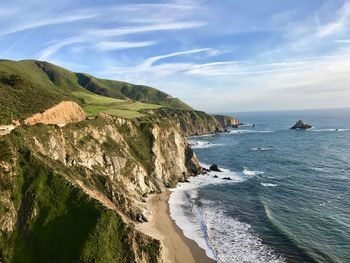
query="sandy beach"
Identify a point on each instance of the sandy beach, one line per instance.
(176, 247)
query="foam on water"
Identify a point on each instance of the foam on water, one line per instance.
(196, 144)
(268, 185)
(261, 149)
(248, 131)
(225, 239)
(247, 172)
(234, 241)
(328, 130)
(187, 211)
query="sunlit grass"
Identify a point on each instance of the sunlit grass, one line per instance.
(94, 104)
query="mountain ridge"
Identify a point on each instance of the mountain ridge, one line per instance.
(30, 86)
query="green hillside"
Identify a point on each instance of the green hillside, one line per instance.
(29, 86)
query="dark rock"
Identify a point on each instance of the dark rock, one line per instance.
(215, 176)
(300, 124)
(141, 218)
(227, 178)
(214, 168)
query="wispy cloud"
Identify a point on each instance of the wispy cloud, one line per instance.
(98, 34)
(150, 61)
(339, 24)
(49, 22)
(118, 45)
(122, 31)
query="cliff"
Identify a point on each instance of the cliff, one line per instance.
(227, 121)
(73, 192)
(191, 122)
(81, 187)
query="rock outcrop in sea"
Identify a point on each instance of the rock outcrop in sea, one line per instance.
(227, 121)
(215, 168)
(300, 124)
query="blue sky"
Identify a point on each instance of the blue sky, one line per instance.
(217, 55)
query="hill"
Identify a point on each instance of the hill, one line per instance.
(29, 86)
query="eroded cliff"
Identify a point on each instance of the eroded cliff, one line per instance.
(81, 187)
(227, 121)
(191, 122)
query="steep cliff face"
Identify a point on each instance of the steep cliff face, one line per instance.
(191, 122)
(82, 186)
(227, 121)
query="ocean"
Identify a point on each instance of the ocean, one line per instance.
(288, 199)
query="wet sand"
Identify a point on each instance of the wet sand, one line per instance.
(176, 247)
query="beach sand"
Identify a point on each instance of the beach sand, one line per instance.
(176, 247)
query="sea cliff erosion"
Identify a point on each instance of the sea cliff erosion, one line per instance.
(86, 183)
(195, 122)
(80, 158)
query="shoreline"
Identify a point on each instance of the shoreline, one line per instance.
(176, 247)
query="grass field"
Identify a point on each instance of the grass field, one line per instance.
(28, 87)
(94, 104)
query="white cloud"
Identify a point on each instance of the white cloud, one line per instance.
(150, 61)
(52, 49)
(340, 23)
(118, 45)
(96, 34)
(49, 22)
(122, 31)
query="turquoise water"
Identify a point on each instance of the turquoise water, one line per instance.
(289, 200)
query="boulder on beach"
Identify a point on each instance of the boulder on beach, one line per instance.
(300, 124)
(226, 178)
(215, 168)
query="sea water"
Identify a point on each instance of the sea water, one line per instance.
(288, 199)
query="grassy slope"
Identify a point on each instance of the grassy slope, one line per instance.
(24, 90)
(28, 86)
(93, 104)
(123, 90)
(53, 214)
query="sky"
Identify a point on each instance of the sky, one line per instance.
(216, 55)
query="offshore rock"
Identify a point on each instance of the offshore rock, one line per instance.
(214, 168)
(300, 124)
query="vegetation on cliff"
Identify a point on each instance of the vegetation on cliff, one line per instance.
(191, 122)
(79, 188)
(73, 193)
(28, 87)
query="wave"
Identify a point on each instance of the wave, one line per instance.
(319, 169)
(248, 131)
(247, 125)
(186, 212)
(329, 130)
(268, 185)
(301, 253)
(196, 144)
(249, 173)
(225, 239)
(235, 241)
(202, 135)
(261, 149)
